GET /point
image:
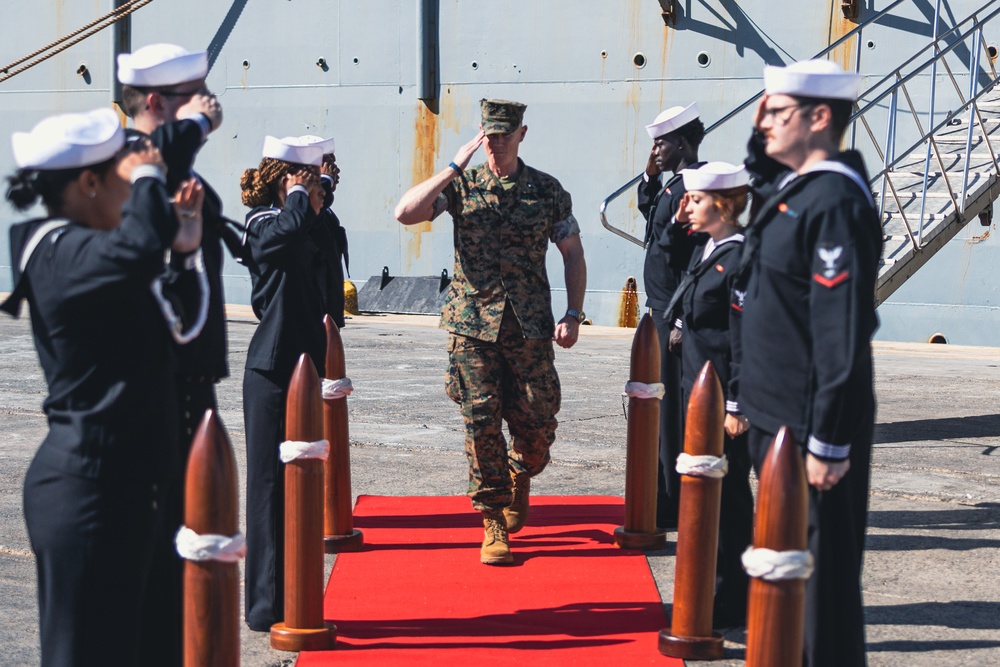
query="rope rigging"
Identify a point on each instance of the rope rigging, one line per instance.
(62, 43)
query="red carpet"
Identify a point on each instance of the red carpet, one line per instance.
(417, 594)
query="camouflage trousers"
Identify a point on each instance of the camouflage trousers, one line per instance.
(512, 380)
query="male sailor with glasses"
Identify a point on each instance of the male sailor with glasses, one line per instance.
(164, 93)
(811, 256)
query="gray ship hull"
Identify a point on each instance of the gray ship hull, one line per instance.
(592, 74)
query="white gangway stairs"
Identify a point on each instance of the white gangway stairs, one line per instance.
(930, 134)
(946, 173)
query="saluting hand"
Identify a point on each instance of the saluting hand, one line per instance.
(758, 116)
(682, 209)
(466, 152)
(143, 152)
(188, 200)
(652, 169)
(205, 103)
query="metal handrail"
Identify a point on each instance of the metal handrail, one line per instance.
(928, 136)
(856, 31)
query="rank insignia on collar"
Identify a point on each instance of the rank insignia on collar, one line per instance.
(830, 268)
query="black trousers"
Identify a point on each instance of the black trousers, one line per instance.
(264, 395)
(194, 397)
(835, 623)
(94, 542)
(668, 482)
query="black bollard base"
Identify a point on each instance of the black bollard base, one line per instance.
(285, 638)
(627, 539)
(335, 544)
(690, 648)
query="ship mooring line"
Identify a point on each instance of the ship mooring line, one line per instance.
(108, 20)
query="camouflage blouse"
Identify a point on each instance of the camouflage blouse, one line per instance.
(501, 238)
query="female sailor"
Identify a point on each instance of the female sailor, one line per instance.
(707, 313)
(89, 271)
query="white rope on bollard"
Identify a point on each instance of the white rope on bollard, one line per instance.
(291, 450)
(714, 467)
(642, 390)
(771, 565)
(334, 389)
(192, 546)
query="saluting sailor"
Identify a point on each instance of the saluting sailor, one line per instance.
(808, 319)
(328, 233)
(164, 94)
(285, 196)
(676, 133)
(94, 493)
(716, 195)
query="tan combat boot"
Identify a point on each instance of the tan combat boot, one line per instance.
(496, 544)
(517, 512)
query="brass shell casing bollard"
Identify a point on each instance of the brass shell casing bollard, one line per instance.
(640, 531)
(338, 527)
(303, 628)
(211, 587)
(690, 634)
(776, 609)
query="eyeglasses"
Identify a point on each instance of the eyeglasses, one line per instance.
(203, 90)
(778, 115)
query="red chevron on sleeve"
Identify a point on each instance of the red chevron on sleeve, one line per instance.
(831, 282)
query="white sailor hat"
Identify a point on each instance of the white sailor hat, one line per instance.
(292, 149)
(159, 65)
(69, 141)
(671, 119)
(715, 176)
(328, 145)
(812, 78)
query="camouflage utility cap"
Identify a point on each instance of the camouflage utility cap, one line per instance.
(501, 116)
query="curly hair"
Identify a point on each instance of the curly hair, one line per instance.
(260, 185)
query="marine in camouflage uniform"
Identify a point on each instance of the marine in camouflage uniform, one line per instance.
(499, 307)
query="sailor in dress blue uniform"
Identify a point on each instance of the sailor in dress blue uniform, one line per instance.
(93, 495)
(709, 319)
(812, 252)
(285, 197)
(676, 133)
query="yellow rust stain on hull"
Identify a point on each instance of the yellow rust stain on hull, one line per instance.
(426, 145)
(845, 54)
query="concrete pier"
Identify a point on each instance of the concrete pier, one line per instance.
(932, 573)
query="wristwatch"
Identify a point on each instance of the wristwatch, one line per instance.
(578, 314)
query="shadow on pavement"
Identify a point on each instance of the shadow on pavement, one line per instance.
(979, 426)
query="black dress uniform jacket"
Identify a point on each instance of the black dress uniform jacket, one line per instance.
(331, 240)
(809, 315)
(102, 341)
(290, 271)
(668, 245)
(711, 320)
(289, 291)
(205, 356)
(808, 318)
(94, 494)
